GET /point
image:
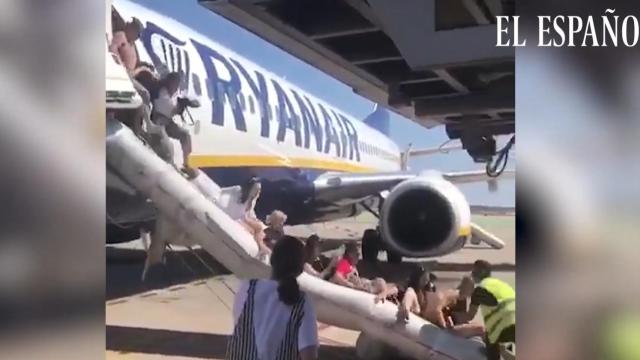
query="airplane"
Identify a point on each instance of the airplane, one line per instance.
(316, 163)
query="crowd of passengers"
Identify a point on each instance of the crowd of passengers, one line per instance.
(154, 121)
(417, 294)
(280, 301)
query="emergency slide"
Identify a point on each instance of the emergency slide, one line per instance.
(209, 226)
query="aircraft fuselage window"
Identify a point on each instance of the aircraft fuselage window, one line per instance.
(251, 107)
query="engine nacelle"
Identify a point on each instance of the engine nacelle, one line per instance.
(426, 216)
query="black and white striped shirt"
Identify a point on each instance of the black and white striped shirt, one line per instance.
(267, 329)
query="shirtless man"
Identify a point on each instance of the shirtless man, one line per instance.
(434, 306)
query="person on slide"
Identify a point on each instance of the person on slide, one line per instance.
(245, 214)
(434, 306)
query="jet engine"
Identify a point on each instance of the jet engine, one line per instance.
(425, 216)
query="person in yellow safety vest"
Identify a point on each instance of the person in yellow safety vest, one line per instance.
(619, 337)
(497, 302)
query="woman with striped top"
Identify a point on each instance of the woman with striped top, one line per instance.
(273, 319)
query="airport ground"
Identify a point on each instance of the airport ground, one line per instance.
(183, 310)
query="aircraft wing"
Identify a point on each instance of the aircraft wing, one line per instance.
(339, 188)
(464, 177)
(410, 152)
(434, 151)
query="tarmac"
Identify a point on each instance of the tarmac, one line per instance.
(183, 309)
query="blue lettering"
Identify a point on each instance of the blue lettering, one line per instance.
(169, 52)
(287, 117)
(352, 134)
(330, 132)
(343, 136)
(315, 125)
(262, 96)
(306, 120)
(219, 88)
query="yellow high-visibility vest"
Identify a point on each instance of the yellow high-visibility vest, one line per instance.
(499, 317)
(619, 340)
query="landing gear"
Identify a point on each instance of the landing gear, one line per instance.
(371, 245)
(393, 258)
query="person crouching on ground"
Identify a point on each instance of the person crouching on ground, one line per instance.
(496, 300)
(273, 319)
(317, 264)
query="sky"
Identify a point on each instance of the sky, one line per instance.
(318, 83)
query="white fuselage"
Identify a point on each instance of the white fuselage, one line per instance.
(299, 124)
(252, 122)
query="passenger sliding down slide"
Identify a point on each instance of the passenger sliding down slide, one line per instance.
(231, 245)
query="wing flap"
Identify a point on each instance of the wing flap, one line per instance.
(465, 177)
(339, 188)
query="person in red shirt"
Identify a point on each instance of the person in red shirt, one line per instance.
(346, 274)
